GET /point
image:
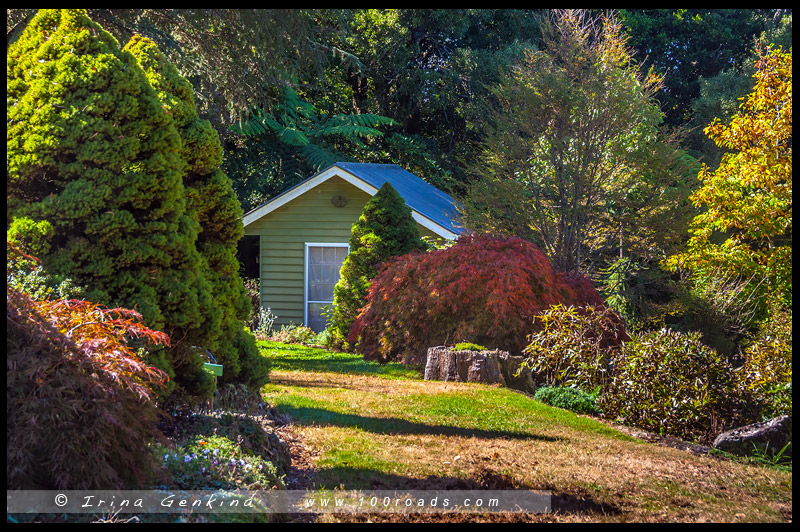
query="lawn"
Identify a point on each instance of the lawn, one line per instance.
(374, 426)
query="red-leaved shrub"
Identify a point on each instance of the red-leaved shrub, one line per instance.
(484, 289)
(79, 412)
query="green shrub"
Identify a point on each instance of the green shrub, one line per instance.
(671, 382)
(212, 204)
(767, 368)
(385, 229)
(573, 399)
(92, 151)
(576, 346)
(466, 346)
(79, 409)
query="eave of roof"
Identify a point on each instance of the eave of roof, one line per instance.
(430, 207)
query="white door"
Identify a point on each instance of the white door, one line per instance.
(323, 262)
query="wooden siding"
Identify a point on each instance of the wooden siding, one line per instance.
(284, 232)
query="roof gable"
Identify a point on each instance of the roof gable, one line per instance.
(430, 207)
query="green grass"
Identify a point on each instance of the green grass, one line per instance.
(376, 426)
(290, 357)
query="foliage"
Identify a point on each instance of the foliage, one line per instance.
(25, 274)
(767, 368)
(431, 70)
(292, 141)
(672, 383)
(212, 203)
(573, 399)
(467, 346)
(574, 142)
(721, 94)
(690, 46)
(92, 152)
(385, 229)
(576, 347)
(639, 291)
(744, 232)
(79, 397)
(484, 288)
(235, 57)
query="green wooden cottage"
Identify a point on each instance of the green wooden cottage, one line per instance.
(295, 243)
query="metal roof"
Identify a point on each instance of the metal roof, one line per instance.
(421, 196)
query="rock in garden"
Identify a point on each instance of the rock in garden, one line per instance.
(769, 435)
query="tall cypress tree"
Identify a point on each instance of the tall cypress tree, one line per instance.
(385, 229)
(212, 203)
(92, 151)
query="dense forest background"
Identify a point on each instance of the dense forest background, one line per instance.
(441, 92)
(429, 73)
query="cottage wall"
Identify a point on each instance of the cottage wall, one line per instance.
(310, 217)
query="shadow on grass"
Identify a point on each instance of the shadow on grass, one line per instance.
(395, 426)
(580, 502)
(289, 357)
(345, 364)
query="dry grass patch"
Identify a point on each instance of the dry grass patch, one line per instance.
(376, 433)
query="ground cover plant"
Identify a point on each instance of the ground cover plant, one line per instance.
(573, 399)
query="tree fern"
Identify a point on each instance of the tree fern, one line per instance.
(281, 147)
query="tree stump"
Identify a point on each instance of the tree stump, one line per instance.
(490, 367)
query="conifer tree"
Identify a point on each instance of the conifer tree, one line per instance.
(212, 203)
(92, 151)
(385, 229)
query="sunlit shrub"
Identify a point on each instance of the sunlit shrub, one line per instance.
(673, 383)
(767, 370)
(576, 346)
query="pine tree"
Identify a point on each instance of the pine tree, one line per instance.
(92, 151)
(385, 229)
(212, 203)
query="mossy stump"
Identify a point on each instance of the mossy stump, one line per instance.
(490, 367)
